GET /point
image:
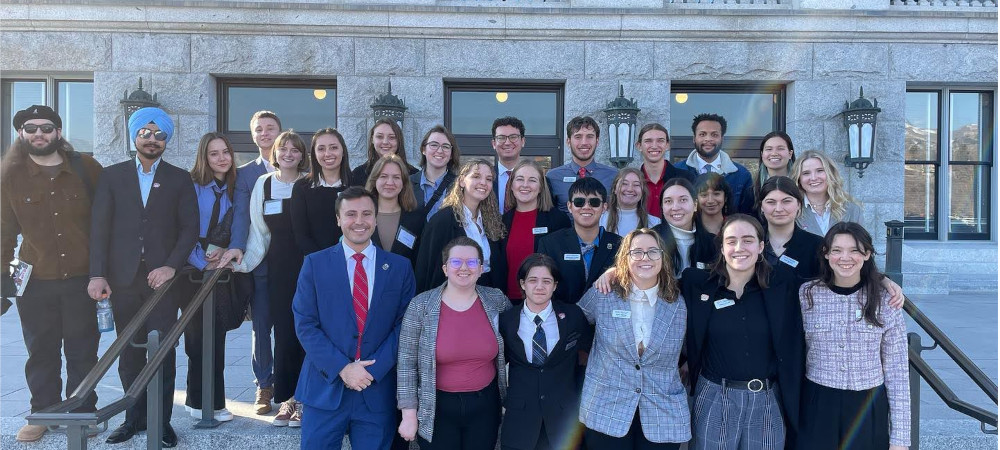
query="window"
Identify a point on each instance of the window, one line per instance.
(471, 107)
(949, 151)
(302, 105)
(72, 98)
(751, 111)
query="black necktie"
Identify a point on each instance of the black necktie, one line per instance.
(214, 219)
(538, 353)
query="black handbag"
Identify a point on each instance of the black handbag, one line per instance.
(232, 300)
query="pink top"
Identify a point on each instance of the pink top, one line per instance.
(466, 349)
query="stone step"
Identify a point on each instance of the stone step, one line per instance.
(925, 279)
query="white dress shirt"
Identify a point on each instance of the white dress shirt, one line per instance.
(526, 329)
(475, 231)
(368, 262)
(822, 219)
(642, 303)
(323, 183)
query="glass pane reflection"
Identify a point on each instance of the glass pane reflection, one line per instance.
(971, 126)
(474, 112)
(76, 108)
(306, 109)
(970, 199)
(921, 141)
(919, 201)
(22, 95)
(746, 113)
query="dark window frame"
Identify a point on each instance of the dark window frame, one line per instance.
(681, 146)
(911, 233)
(473, 145)
(51, 93)
(241, 139)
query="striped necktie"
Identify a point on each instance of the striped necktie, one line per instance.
(538, 352)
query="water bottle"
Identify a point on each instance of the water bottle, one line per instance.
(105, 318)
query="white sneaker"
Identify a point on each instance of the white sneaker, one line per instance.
(222, 415)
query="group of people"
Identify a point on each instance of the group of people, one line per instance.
(462, 305)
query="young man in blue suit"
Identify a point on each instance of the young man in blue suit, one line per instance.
(348, 308)
(264, 128)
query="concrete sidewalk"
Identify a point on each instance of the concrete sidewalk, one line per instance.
(969, 319)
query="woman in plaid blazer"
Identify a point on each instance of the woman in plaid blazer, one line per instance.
(632, 394)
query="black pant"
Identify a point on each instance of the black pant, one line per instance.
(465, 420)
(830, 418)
(634, 439)
(193, 336)
(543, 442)
(125, 302)
(57, 313)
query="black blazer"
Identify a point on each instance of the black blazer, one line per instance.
(123, 232)
(802, 250)
(413, 222)
(573, 282)
(542, 394)
(703, 250)
(440, 230)
(553, 219)
(781, 303)
(447, 179)
(314, 216)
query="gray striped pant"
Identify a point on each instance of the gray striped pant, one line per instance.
(736, 419)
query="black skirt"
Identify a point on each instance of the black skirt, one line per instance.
(838, 419)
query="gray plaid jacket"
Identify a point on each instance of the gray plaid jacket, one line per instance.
(416, 384)
(618, 381)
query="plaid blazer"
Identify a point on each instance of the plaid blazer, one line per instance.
(416, 370)
(618, 380)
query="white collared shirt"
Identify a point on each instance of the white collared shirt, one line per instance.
(716, 165)
(642, 303)
(474, 230)
(526, 329)
(502, 178)
(267, 164)
(323, 183)
(823, 220)
(368, 263)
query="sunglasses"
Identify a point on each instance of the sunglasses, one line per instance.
(456, 263)
(32, 128)
(145, 133)
(593, 201)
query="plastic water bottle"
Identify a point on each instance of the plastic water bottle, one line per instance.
(105, 318)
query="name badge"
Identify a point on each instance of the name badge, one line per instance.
(540, 230)
(724, 303)
(621, 314)
(700, 265)
(406, 237)
(857, 314)
(788, 260)
(571, 257)
(569, 179)
(272, 207)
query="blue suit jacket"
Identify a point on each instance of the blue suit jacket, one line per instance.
(325, 324)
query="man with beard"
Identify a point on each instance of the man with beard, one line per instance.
(709, 131)
(46, 193)
(582, 136)
(144, 224)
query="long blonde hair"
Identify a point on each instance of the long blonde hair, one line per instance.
(640, 210)
(544, 194)
(407, 201)
(621, 281)
(489, 208)
(839, 198)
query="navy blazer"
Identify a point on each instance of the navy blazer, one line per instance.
(123, 231)
(326, 327)
(246, 178)
(440, 230)
(413, 222)
(781, 303)
(537, 394)
(574, 282)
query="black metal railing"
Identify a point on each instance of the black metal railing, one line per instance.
(150, 379)
(919, 368)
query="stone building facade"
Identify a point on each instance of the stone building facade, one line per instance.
(819, 52)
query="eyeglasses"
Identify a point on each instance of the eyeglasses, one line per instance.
(434, 146)
(653, 254)
(31, 128)
(500, 139)
(456, 263)
(145, 133)
(594, 202)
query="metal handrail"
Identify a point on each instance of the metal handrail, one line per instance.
(59, 414)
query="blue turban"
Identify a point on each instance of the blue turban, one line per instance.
(140, 118)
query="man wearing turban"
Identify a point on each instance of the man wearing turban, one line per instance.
(144, 223)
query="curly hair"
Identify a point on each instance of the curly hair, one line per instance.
(489, 208)
(621, 279)
(839, 198)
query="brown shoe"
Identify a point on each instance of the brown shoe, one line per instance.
(31, 433)
(262, 403)
(296, 420)
(285, 413)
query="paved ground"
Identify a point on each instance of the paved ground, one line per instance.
(970, 320)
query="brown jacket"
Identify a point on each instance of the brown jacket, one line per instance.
(51, 214)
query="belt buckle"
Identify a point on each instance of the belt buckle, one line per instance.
(751, 383)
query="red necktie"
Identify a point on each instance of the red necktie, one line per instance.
(582, 172)
(360, 294)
